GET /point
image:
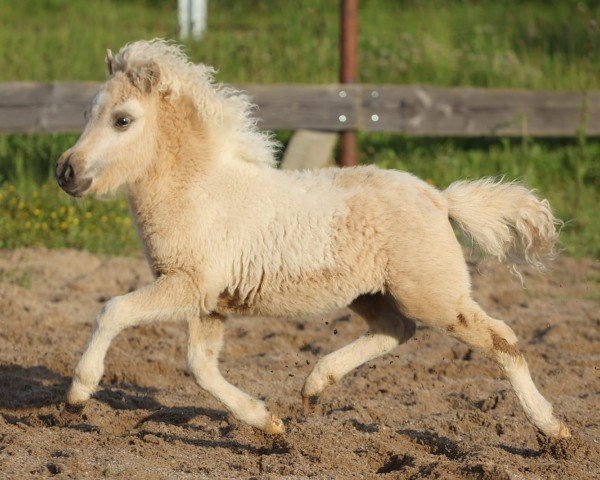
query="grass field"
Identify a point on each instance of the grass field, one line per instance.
(543, 45)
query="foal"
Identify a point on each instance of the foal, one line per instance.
(225, 233)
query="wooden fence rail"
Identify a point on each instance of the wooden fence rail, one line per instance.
(411, 110)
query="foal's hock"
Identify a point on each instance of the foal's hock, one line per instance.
(225, 233)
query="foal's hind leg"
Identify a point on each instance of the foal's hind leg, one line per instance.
(205, 339)
(497, 341)
(387, 328)
(438, 294)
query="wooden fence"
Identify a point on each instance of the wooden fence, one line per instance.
(411, 110)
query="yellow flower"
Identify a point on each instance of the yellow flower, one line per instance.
(75, 221)
(10, 189)
(88, 214)
(127, 221)
(63, 225)
(117, 220)
(53, 215)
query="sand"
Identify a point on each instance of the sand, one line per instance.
(431, 409)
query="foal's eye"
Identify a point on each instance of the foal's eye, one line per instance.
(122, 122)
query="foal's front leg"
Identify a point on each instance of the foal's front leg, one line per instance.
(205, 339)
(168, 297)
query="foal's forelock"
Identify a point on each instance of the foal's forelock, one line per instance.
(94, 106)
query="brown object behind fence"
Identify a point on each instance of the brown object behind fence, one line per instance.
(348, 73)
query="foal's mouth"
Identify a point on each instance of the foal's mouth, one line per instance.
(76, 190)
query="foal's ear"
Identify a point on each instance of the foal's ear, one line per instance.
(109, 59)
(145, 77)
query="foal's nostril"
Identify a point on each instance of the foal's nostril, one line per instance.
(68, 174)
(65, 174)
(68, 179)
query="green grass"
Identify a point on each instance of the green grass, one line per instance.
(531, 44)
(540, 44)
(38, 215)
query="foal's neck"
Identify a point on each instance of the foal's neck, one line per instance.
(188, 155)
(181, 155)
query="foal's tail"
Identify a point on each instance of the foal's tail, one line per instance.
(506, 220)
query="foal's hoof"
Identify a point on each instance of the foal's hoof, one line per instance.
(309, 403)
(274, 426)
(563, 432)
(564, 446)
(72, 412)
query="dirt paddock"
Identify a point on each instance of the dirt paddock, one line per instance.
(431, 409)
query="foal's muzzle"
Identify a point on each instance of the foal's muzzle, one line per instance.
(68, 178)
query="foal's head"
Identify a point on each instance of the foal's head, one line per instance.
(120, 136)
(152, 95)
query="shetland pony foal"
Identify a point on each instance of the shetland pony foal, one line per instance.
(227, 234)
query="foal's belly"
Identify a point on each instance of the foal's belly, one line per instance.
(295, 299)
(280, 307)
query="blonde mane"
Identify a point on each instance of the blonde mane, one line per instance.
(223, 110)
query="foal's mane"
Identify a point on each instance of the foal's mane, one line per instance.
(224, 111)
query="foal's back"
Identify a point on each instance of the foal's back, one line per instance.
(325, 239)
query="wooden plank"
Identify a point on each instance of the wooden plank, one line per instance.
(44, 107)
(411, 110)
(309, 149)
(424, 110)
(316, 107)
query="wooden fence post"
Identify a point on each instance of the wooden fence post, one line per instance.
(348, 72)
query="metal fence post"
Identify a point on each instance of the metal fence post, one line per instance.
(192, 18)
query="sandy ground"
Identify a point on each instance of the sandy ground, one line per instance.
(431, 409)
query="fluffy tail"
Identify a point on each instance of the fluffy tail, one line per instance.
(506, 220)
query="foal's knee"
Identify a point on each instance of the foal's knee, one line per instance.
(504, 349)
(112, 311)
(200, 361)
(492, 337)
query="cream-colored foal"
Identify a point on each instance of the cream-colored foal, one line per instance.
(226, 234)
